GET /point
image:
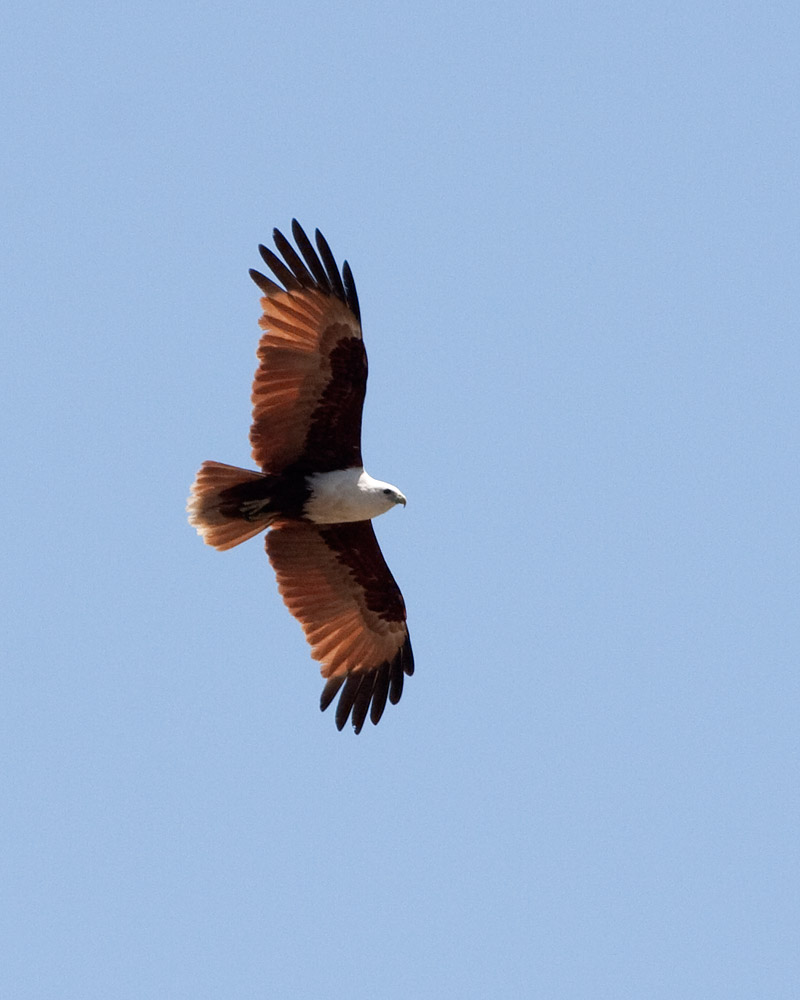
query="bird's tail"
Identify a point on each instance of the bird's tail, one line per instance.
(224, 507)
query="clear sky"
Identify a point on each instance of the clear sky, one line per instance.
(574, 229)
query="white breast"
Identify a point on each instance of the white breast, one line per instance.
(347, 495)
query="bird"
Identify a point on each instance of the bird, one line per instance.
(312, 494)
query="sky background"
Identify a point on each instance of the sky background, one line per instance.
(575, 230)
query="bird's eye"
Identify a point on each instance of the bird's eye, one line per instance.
(387, 493)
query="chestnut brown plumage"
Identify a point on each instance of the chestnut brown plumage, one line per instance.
(308, 396)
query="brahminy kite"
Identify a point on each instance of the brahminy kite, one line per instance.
(313, 493)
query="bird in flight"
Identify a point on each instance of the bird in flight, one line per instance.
(312, 492)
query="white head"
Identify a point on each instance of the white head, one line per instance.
(349, 495)
(385, 494)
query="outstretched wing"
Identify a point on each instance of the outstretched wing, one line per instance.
(308, 392)
(335, 581)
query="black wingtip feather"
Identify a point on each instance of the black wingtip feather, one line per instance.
(396, 683)
(350, 291)
(380, 693)
(362, 701)
(267, 286)
(407, 657)
(402, 665)
(330, 266)
(347, 699)
(329, 692)
(310, 256)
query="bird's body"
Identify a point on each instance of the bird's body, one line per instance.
(313, 493)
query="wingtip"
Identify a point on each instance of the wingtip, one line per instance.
(365, 695)
(329, 692)
(408, 657)
(267, 286)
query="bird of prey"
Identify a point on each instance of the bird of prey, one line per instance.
(313, 493)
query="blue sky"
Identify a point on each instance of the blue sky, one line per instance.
(574, 230)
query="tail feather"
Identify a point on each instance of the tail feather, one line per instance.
(220, 522)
